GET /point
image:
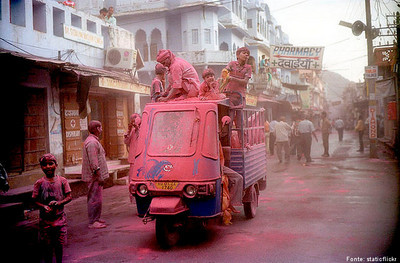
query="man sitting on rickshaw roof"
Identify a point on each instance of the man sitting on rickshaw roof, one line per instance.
(209, 89)
(182, 77)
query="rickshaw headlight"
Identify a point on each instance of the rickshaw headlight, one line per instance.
(190, 190)
(143, 190)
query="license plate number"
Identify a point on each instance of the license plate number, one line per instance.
(166, 185)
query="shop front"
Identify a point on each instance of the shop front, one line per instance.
(108, 100)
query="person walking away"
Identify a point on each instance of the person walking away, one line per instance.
(360, 127)
(262, 65)
(50, 194)
(325, 130)
(183, 81)
(339, 126)
(282, 131)
(272, 136)
(223, 80)
(158, 83)
(267, 134)
(295, 148)
(94, 172)
(209, 87)
(110, 18)
(306, 129)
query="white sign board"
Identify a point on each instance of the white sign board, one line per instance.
(371, 72)
(86, 37)
(291, 57)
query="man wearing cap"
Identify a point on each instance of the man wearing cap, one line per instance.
(182, 77)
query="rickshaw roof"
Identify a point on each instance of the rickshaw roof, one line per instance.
(191, 101)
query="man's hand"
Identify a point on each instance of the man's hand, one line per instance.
(54, 203)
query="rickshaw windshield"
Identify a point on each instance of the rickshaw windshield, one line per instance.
(174, 133)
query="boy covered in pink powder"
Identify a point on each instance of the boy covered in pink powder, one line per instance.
(209, 88)
(51, 193)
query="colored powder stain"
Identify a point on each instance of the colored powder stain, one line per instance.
(282, 238)
(342, 191)
(266, 199)
(142, 253)
(240, 239)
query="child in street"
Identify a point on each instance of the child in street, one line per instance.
(51, 193)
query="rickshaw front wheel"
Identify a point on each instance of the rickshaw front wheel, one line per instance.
(167, 231)
(250, 208)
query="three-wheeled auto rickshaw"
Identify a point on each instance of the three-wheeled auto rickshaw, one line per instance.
(176, 175)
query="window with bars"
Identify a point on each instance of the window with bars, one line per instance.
(195, 36)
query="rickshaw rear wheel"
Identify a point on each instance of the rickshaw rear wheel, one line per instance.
(250, 208)
(167, 231)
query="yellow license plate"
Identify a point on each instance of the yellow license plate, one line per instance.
(166, 185)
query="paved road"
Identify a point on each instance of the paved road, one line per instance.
(338, 209)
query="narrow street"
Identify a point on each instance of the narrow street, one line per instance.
(338, 209)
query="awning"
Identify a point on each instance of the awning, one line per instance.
(295, 86)
(264, 99)
(113, 79)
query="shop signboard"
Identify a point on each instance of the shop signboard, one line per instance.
(371, 72)
(291, 57)
(372, 122)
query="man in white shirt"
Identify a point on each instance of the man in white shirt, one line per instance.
(282, 131)
(272, 136)
(110, 18)
(339, 126)
(306, 129)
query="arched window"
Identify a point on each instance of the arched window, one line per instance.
(155, 44)
(224, 46)
(141, 44)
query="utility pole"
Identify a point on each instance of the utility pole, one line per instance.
(371, 82)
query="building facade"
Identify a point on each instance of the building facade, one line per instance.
(53, 56)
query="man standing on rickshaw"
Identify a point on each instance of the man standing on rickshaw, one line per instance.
(239, 75)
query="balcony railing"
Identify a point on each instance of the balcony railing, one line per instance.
(205, 57)
(267, 84)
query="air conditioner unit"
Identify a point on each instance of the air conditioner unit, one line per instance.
(121, 58)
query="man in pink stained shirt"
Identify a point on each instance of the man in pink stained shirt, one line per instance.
(94, 172)
(239, 75)
(209, 89)
(182, 78)
(158, 83)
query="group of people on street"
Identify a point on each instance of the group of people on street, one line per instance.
(52, 192)
(296, 138)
